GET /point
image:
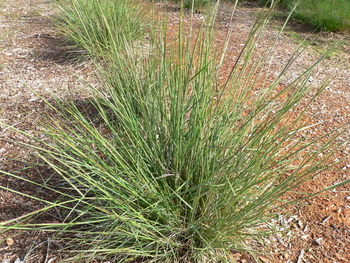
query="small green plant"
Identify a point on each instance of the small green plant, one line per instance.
(171, 165)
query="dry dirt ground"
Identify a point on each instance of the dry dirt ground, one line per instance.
(31, 55)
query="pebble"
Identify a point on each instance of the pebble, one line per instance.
(2, 150)
(10, 241)
(346, 167)
(33, 99)
(318, 241)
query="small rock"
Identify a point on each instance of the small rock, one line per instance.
(7, 54)
(2, 150)
(10, 241)
(311, 79)
(317, 241)
(346, 167)
(33, 99)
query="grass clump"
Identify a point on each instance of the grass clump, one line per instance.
(95, 25)
(173, 166)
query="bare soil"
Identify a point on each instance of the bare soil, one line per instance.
(35, 64)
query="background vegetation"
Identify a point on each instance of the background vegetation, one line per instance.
(327, 15)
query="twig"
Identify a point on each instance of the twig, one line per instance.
(301, 256)
(325, 219)
(47, 250)
(164, 175)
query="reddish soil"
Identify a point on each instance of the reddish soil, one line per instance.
(31, 55)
